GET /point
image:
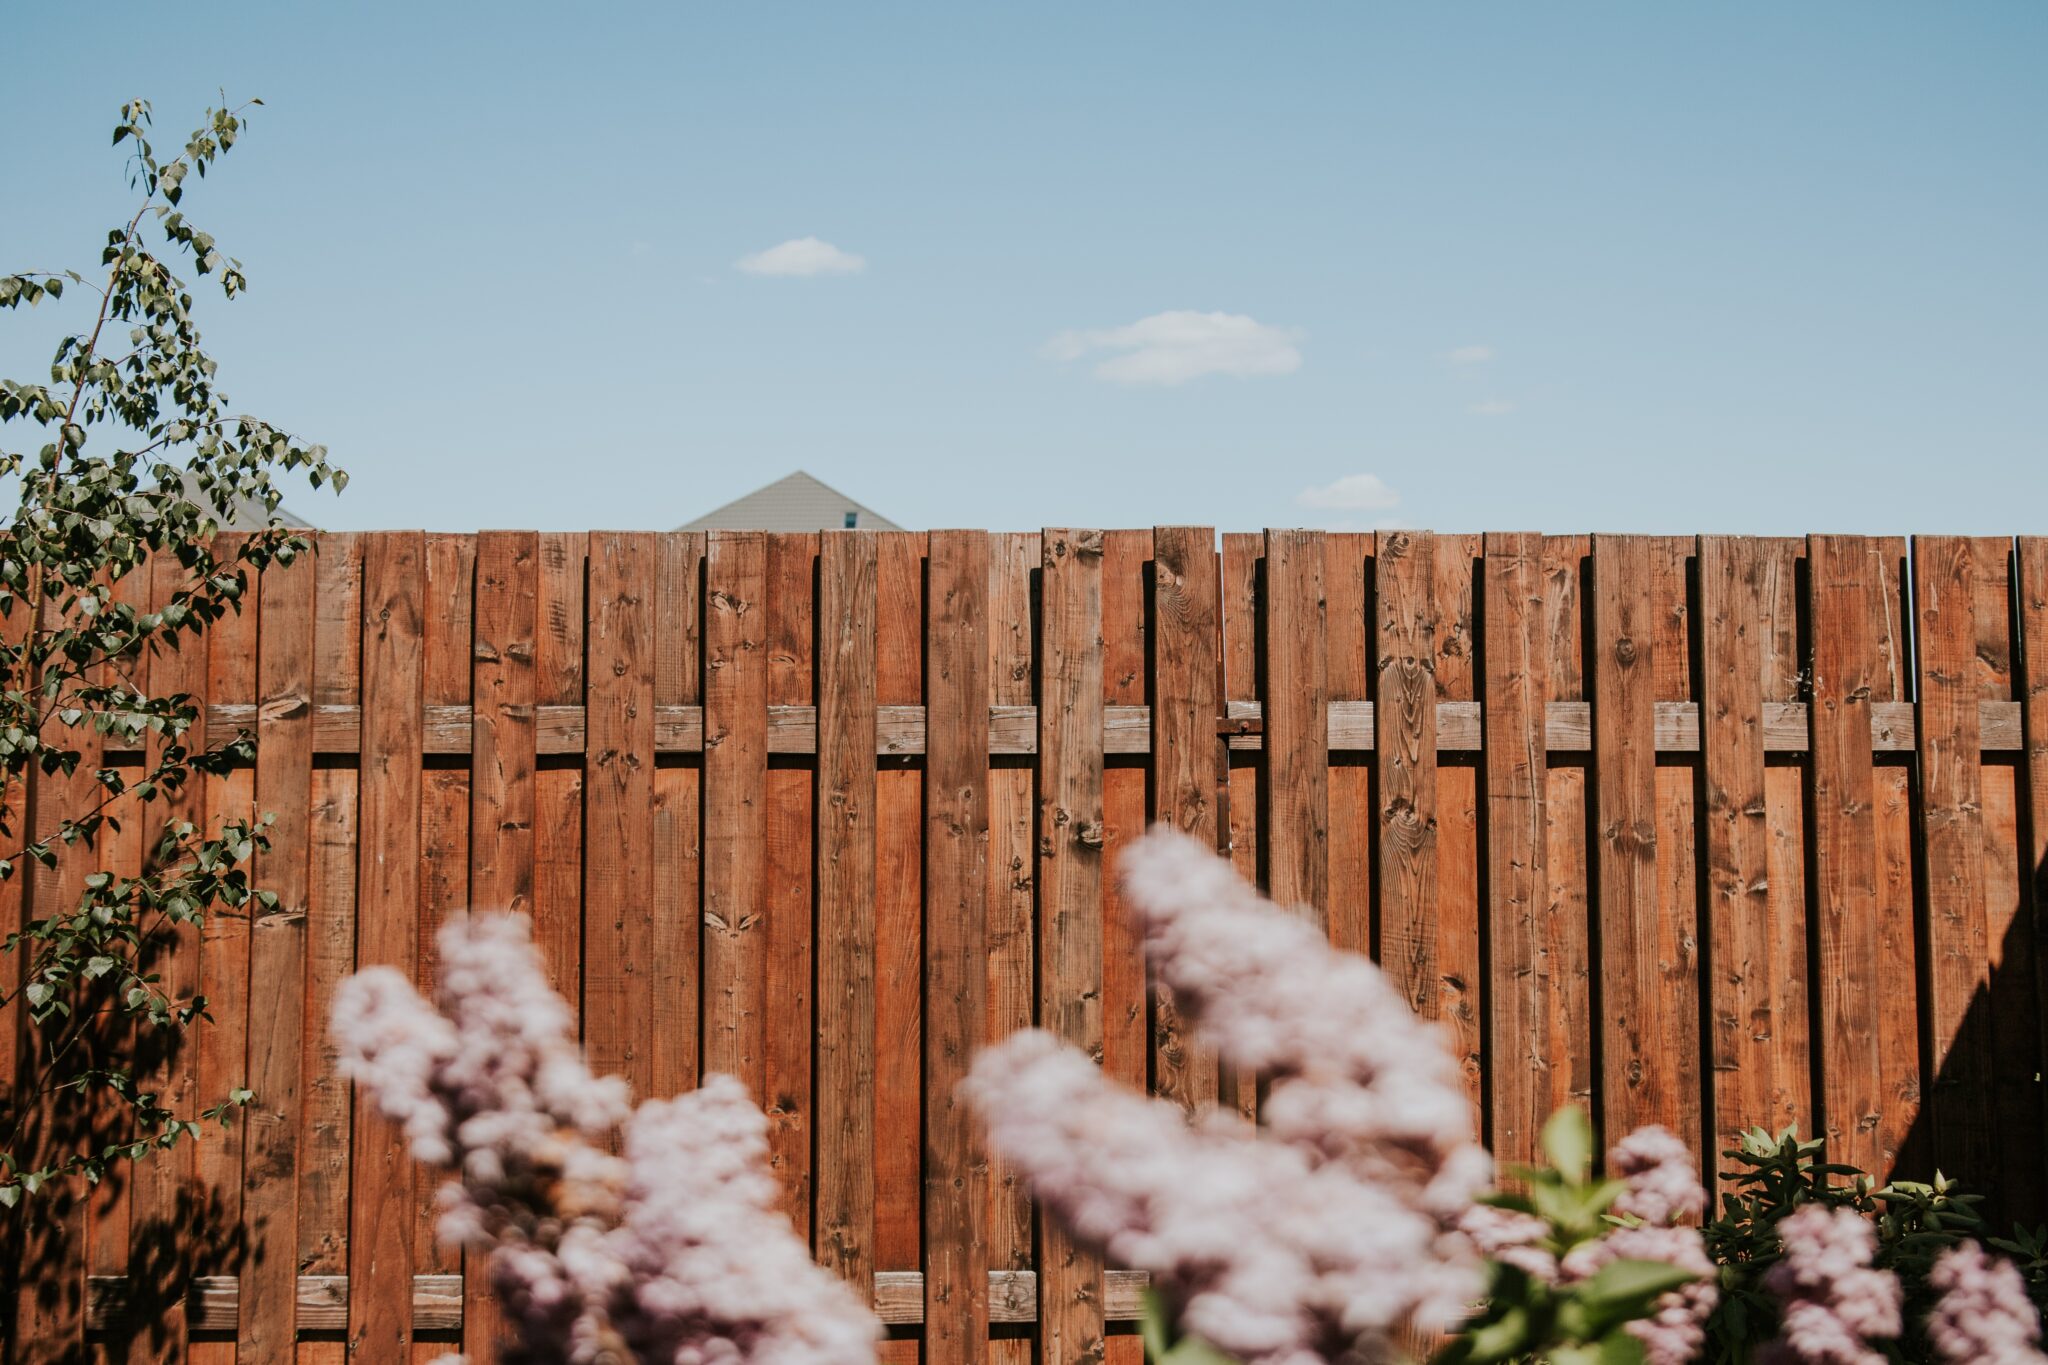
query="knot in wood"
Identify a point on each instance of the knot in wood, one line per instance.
(1624, 650)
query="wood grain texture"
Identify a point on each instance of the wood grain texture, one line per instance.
(1070, 841)
(1526, 1084)
(1405, 720)
(1460, 953)
(1952, 815)
(1187, 644)
(956, 849)
(1744, 1004)
(618, 807)
(388, 878)
(735, 805)
(899, 918)
(1295, 787)
(1636, 1083)
(1242, 565)
(678, 825)
(503, 786)
(846, 907)
(1349, 569)
(791, 874)
(1846, 668)
(277, 961)
(1011, 940)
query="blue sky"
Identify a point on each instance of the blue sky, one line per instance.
(1737, 267)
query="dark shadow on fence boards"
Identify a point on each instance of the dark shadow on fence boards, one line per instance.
(1710, 832)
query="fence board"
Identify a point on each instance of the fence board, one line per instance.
(678, 824)
(1186, 641)
(277, 963)
(2031, 686)
(1951, 649)
(1405, 752)
(1459, 960)
(955, 967)
(1295, 787)
(1070, 839)
(1525, 1074)
(618, 808)
(735, 800)
(1012, 933)
(1637, 1083)
(899, 920)
(792, 816)
(381, 1177)
(846, 907)
(1348, 570)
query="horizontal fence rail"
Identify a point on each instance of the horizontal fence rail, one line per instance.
(1706, 831)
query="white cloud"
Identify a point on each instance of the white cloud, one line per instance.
(1352, 493)
(1493, 407)
(1469, 355)
(1174, 347)
(802, 256)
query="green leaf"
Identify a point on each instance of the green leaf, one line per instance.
(1568, 1142)
(1621, 1281)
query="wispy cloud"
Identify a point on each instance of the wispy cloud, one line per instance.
(1174, 347)
(1352, 493)
(1469, 355)
(802, 256)
(1493, 407)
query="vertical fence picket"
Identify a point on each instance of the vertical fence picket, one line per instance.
(1744, 1008)
(1845, 665)
(1295, 787)
(1070, 838)
(558, 785)
(1790, 1100)
(1637, 1085)
(1186, 642)
(846, 1099)
(1404, 751)
(793, 563)
(268, 1327)
(503, 755)
(1242, 564)
(2031, 687)
(899, 922)
(382, 1177)
(735, 804)
(1945, 616)
(1523, 973)
(1348, 569)
(1459, 938)
(678, 818)
(955, 944)
(618, 808)
(1011, 933)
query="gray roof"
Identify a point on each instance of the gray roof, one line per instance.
(245, 514)
(796, 502)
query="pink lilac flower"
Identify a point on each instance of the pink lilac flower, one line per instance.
(671, 1253)
(1661, 1185)
(1833, 1303)
(1332, 1226)
(1983, 1316)
(1510, 1237)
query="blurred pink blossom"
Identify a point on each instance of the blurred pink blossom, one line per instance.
(1331, 1227)
(1983, 1316)
(673, 1253)
(1833, 1304)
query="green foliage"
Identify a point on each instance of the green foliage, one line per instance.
(137, 458)
(1582, 1323)
(1773, 1174)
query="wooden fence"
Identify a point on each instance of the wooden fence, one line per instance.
(1711, 832)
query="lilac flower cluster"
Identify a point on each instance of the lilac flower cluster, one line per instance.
(671, 1253)
(1833, 1304)
(1660, 1186)
(1983, 1316)
(1318, 1237)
